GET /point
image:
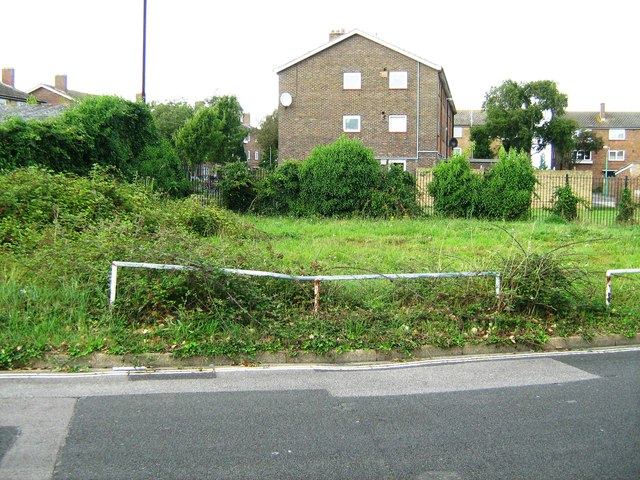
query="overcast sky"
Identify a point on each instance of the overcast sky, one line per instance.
(200, 48)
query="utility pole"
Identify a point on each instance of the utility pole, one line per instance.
(143, 94)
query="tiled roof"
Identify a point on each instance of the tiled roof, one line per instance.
(612, 119)
(31, 112)
(10, 93)
(465, 118)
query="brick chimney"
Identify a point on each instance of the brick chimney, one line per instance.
(246, 119)
(61, 82)
(333, 34)
(603, 115)
(8, 76)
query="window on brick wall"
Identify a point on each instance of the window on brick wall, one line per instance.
(616, 155)
(352, 81)
(398, 80)
(457, 132)
(351, 123)
(617, 134)
(397, 123)
(581, 156)
(256, 155)
(394, 161)
(457, 151)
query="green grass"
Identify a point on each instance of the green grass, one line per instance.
(60, 306)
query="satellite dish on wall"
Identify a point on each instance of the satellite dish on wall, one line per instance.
(286, 99)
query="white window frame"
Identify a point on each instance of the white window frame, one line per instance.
(348, 118)
(352, 81)
(256, 155)
(617, 134)
(457, 131)
(586, 156)
(394, 161)
(616, 155)
(397, 124)
(457, 151)
(398, 80)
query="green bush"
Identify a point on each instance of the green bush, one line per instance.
(626, 207)
(396, 196)
(454, 188)
(507, 188)
(279, 192)
(107, 131)
(203, 220)
(565, 203)
(238, 187)
(338, 179)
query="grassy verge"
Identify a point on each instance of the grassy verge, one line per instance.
(48, 308)
(54, 282)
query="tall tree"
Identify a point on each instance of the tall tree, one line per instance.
(215, 134)
(170, 117)
(267, 137)
(518, 112)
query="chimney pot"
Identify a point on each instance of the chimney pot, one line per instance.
(335, 34)
(8, 76)
(602, 112)
(61, 82)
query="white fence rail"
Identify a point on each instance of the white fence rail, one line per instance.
(611, 273)
(301, 278)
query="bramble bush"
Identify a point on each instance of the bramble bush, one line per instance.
(105, 130)
(279, 192)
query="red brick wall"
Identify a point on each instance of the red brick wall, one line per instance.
(319, 103)
(52, 98)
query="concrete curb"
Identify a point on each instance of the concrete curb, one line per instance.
(167, 360)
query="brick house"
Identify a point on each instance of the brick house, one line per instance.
(396, 103)
(58, 93)
(620, 132)
(9, 94)
(251, 147)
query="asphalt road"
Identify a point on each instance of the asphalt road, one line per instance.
(571, 416)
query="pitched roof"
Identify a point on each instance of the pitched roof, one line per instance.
(352, 33)
(468, 118)
(10, 93)
(68, 94)
(31, 112)
(611, 120)
(583, 119)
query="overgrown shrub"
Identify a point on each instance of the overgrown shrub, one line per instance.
(34, 199)
(203, 220)
(107, 131)
(626, 207)
(454, 188)
(338, 179)
(507, 188)
(238, 187)
(396, 196)
(565, 203)
(542, 283)
(279, 192)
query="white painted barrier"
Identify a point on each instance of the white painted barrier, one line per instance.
(316, 279)
(610, 273)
